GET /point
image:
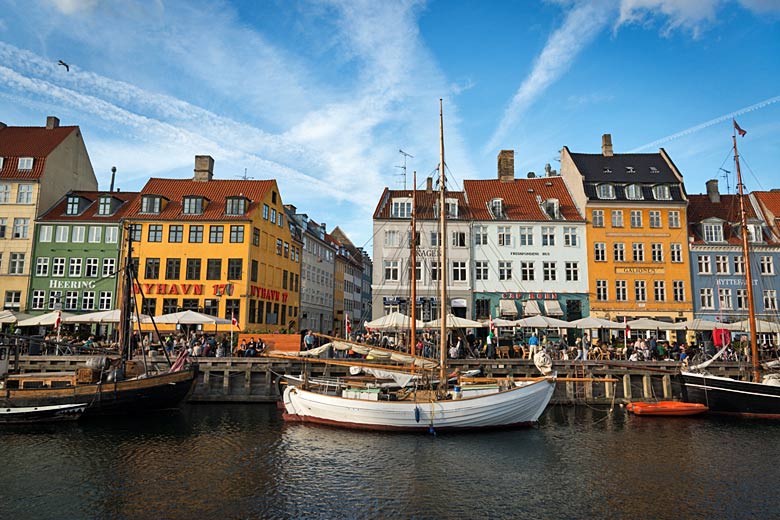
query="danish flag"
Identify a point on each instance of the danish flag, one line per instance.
(233, 319)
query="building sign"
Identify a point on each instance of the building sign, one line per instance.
(529, 296)
(639, 270)
(71, 284)
(267, 294)
(427, 253)
(528, 253)
(731, 282)
(194, 289)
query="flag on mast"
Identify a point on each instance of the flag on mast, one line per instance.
(628, 329)
(58, 321)
(738, 129)
(347, 325)
(233, 320)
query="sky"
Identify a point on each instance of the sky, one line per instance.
(332, 98)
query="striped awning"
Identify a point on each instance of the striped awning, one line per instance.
(531, 308)
(553, 308)
(507, 308)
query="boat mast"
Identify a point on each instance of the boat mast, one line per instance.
(442, 262)
(125, 317)
(748, 268)
(413, 270)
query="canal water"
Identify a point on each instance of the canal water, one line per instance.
(244, 462)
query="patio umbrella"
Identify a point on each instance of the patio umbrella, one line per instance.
(499, 322)
(540, 322)
(649, 324)
(393, 321)
(189, 318)
(7, 317)
(592, 322)
(454, 322)
(44, 320)
(762, 326)
(701, 324)
(111, 316)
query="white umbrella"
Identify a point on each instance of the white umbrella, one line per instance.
(454, 322)
(111, 316)
(701, 324)
(394, 320)
(540, 322)
(44, 320)
(592, 322)
(761, 326)
(7, 317)
(649, 324)
(189, 318)
(499, 322)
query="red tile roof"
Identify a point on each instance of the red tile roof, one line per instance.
(700, 208)
(425, 200)
(57, 212)
(520, 198)
(770, 200)
(29, 141)
(216, 191)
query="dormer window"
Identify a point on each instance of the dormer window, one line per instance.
(605, 191)
(634, 192)
(630, 169)
(235, 206)
(662, 192)
(452, 208)
(607, 171)
(151, 204)
(2, 160)
(754, 233)
(192, 206)
(713, 232)
(104, 206)
(25, 163)
(653, 169)
(72, 207)
(497, 207)
(402, 208)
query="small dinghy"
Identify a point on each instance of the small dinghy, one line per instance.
(666, 408)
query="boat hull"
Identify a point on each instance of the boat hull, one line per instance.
(667, 408)
(510, 408)
(723, 395)
(131, 396)
(36, 414)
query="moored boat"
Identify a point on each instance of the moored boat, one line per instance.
(673, 408)
(36, 414)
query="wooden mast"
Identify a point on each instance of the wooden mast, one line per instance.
(748, 268)
(413, 270)
(442, 262)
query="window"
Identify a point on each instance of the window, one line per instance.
(74, 267)
(770, 300)
(754, 233)
(705, 298)
(617, 218)
(459, 271)
(25, 163)
(630, 169)
(621, 290)
(634, 192)
(78, 234)
(435, 271)
(255, 237)
(662, 192)
(504, 236)
(401, 208)
(572, 271)
(675, 251)
(111, 235)
(724, 299)
(135, 232)
(175, 234)
(265, 211)
(452, 208)
(95, 233)
(435, 242)
(72, 206)
(598, 218)
(674, 219)
(742, 299)
(619, 252)
(657, 252)
(71, 300)
(391, 270)
(21, 227)
(62, 234)
(653, 169)
(44, 232)
(38, 299)
(767, 265)
(549, 271)
(704, 265)
(91, 268)
(196, 234)
(109, 267)
(391, 238)
(150, 204)
(16, 263)
(659, 290)
(286, 250)
(713, 233)
(526, 236)
(599, 252)
(480, 270)
(58, 267)
(739, 264)
(602, 290)
(605, 191)
(678, 287)
(253, 270)
(104, 208)
(5, 193)
(42, 266)
(236, 268)
(216, 234)
(458, 239)
(236, 234)
(235, 205)
(55, 297)
(193, 269)
(417, 271)
(655, 219)
(570, 236)
(24, 194)
(480, 236)
(155, 233)
(105, 302)
(548, 236)
(640, 290)
(504, 270)
(636, 218)
(173, 269)
(497, 207)
(721, 264)
(170, 305)
(527, 271)
(192, 205)
(279, 246)
(213, 269)
(152, 271)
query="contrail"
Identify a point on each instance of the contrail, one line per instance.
(709, 123)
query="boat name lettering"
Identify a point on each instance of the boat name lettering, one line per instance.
(195, 289)
(71, 284)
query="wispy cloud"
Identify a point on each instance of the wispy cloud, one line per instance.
(692, 15)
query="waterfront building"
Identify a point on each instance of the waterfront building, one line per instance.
(391, 288)
(77, 253)
(352, 279)
(318, 260)
(635, 207)
(38, 165)
(221, 247)
(340, 268)
(367, 312)
(529, 251)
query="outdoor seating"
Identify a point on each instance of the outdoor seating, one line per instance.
(503, 352)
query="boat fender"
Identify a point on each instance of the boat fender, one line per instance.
(417, 414)
(543, 362)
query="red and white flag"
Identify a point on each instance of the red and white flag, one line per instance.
(233, 319)
(58, 321)
(491, 323)
(347, 324)
(628, 329)
(738, 129)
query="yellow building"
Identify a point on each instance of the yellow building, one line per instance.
(38, 165)
(635, 206)
(221, 247)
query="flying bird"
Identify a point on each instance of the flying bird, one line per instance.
(67, 67)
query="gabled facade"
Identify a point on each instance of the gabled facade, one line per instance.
(635, 207)
(529, 250)
(38, 165)
(353, 279)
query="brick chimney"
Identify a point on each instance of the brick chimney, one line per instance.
(52, 122)
(606, 145)
(204, 168)
(429, 185)
(506, 165)
(712, 191)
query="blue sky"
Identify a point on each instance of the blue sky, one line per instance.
(322, 95)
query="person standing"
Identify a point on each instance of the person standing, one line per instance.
(308, 340)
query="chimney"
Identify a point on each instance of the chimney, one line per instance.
(712, 191)
(606, 145)
(52, 122)
(204, 168)
(506, 165)
(291, 208)
(113, 176)
(3, 125)
(429, 185)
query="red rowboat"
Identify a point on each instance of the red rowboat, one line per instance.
(666, 408)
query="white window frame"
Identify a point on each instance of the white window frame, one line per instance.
(598, 218)
(25, 163)
(706, 298)
(42, 266)
(674, 218)
(599, 251)
(111, 235)
(605, 191)
(45, 233)
(58, 266)
(617, 218)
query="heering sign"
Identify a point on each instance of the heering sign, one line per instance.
(71, 284)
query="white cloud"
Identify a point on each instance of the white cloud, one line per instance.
(70, 7)
(693, 15)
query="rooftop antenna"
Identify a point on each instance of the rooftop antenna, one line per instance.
(725, 176)
(404, 166)
(244, 177)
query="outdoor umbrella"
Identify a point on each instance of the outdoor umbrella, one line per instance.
(393, 321)
(44, 320)
(592, 322)
(499, 322)
(761, 326)
(541, 322)
(7, 317)
(189, 318)
(454, 322)
(649, 324)
(99, 317)
(702, 324)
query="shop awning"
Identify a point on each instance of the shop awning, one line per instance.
(507, 308)
(553, 308)
(531, 308)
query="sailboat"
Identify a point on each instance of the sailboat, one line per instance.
(502, 404)
(105, 385)
(758, 397)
